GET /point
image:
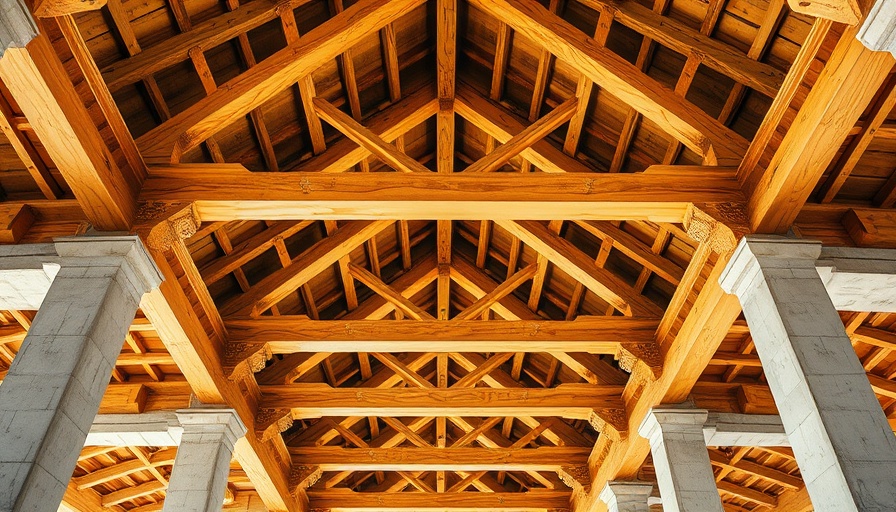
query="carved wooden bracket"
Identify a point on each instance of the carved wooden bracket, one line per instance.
(271, 422)
(648, 354)
(161, 224)
(244, 359)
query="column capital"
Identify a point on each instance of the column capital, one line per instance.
(766, 251)
(126, 252)
(661, 420)
(878, 31)
(17, 26)
(212, 419)
(616, 494)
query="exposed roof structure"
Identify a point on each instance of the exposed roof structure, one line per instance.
(445, 251)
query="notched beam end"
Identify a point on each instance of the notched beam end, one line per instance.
(719, 225)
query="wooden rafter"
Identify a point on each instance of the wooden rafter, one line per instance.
(705, 135)
(251, 89)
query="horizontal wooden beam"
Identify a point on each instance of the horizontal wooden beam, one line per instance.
(229, 192)
(287, 335)
(572, 401)
(332, 458)
(347, 501)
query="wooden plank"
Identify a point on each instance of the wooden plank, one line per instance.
(577, 264)
(231, 193)
(526, 138)
(688, 124)
(386, 152)
(331, 458)
(677, 36)
(574, 401)
(253, 88)
(533, 501)
(273, 288)
(40, 85)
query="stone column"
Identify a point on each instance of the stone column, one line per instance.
(626, 496)
(681, 459)
(202, 465)
(54, 387)
(843, 444)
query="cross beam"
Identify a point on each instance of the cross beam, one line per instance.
(230, 192)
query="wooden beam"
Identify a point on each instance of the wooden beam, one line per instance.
(389, 124)
(41, 87)
(577, 264)
(856, 148)
(843, 89)
(387, 292)
(574, 401)
(681, 38)
(273, 288)
(331, 458)
(526, 138)
(352, 129)
(497, 121)
(270, 77)
(230, 192)
(446, 57)
(596, 335)
(532, 501)
(682, 120)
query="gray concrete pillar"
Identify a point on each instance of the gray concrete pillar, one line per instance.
(626, 496)
(681, 459)
(200, 472)
(843, 444)
(55, 384)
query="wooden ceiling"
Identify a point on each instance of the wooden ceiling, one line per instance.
(446, 251)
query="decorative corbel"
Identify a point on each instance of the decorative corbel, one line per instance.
(302, 477)
(610, 421)
(271, 422)
(718, 225)
(648, 354)
(161, 224)
(244, 359)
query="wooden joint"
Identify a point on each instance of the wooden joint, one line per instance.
(302, 477)
(719, 225)
(649, 354)
(161, 224)
(243, 359)
(271, 422)
(15, 221)
(446, 105)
